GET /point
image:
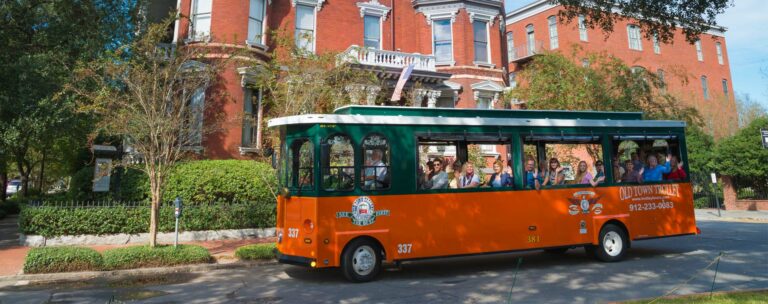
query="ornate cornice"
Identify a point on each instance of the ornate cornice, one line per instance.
(318, 4)
(486, 10)
(373, 8)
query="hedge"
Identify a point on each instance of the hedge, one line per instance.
(62, 259)
(145, 256)
(256, 251)
(52, 221)
(217, 194)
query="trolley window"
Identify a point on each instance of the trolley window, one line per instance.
(338, 163)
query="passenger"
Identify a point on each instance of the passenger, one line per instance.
(636, 162)
(436, 178)
(454, 183)
(554, 175)
(376, 171)
(618, 169)
(677, 172)
(582, 174)
(632, 175)
(532, 179)
(470, 179)
(499, 178)
(653, 172)
(508, 169)
(599, 175)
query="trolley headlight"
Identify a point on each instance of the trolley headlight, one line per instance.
(309, 225)
(280, 236)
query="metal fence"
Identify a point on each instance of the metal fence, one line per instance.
(706, 194)
(750, 189)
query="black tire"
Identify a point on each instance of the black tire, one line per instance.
(556, 251)
(355, 263)
(612, 244)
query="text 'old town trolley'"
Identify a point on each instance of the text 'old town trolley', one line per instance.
(367, 185)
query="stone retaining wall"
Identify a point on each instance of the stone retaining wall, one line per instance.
(118, 239)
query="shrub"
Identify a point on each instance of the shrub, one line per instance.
(62, 259)
(52, 221)
(702, 202)
(125, 184)
(144, 256)
(11, 206)
(2, 214)
(256, 251)
(221, 181)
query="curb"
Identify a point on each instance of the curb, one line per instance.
(53, 278)
(735, 220)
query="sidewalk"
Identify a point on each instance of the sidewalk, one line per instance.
(732, 216)
(12, 255)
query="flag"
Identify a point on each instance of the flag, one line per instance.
(404, 75)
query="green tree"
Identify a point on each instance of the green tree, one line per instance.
(41, 41)
(743, 155)
(555, 81)
(153, 96)
(748, 109)
(656, 18)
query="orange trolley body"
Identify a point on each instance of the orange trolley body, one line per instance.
(317, 229)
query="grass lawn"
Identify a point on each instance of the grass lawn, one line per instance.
(740, 297)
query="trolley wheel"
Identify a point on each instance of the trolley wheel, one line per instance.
(612, 246)
(361, 260)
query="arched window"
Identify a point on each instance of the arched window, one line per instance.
(301, 160)
(530, 39)
(376, 162)
(338, 163)
(552, 23)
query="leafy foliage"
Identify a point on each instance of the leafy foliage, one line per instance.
(50, 221)
(655, 18)
(126, 184)
(62, 259)
(743, 155)
(749, 110)
(222, 181)
(256, 252)
(145, 256)
(555, 81)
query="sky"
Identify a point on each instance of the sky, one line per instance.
(746, 45)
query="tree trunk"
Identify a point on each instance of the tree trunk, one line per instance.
(42, 172)
(3, 181)
(153, 213)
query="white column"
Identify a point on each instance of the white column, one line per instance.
(355, 92)
(372, 92)
(432, 96)
(417, 95)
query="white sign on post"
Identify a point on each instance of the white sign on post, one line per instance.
(714, 178)
(101, 175)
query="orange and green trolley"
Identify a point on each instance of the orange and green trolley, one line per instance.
(355, 192)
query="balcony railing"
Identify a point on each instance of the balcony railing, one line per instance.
(369, 56)
(525, 52)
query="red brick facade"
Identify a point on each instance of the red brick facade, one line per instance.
(407, 28)
(718, 110)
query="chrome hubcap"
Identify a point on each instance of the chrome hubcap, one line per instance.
(364, 260)
(612, 243)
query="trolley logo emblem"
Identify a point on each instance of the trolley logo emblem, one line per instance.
(363, 212)
(581, 201)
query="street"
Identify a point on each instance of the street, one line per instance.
(652, 268)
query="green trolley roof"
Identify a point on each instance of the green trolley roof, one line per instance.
(486, 113)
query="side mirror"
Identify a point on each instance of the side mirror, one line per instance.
(285, 192)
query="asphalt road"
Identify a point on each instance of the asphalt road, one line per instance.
(652, 268)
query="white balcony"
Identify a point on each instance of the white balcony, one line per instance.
(383, 58)
(526, 52)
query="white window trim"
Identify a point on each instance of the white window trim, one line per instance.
(449, 62)
(583, 35)
(705, 87)
(261, 43)
(630, 27)
(314, 21)
(510, 47)
(381, 29)
(719, 48)
(656, 45)
(556, 44)
(318, 4)
(530, 44)
(487, 63)
(699, 50)
(191, 37)
(373, 8)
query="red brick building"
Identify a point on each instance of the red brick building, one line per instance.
(535, 27)
(463, 51)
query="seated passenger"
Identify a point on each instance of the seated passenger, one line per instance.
(599, 175)
(436, 178)
(653, 172)
(470, 179)
(532, 178)
(454, 183)
(677, 172)
(636, 161)
(631, 175)
(375, 174)
(554, 175)
(582, 174)
(498, 178)
(618, 169)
